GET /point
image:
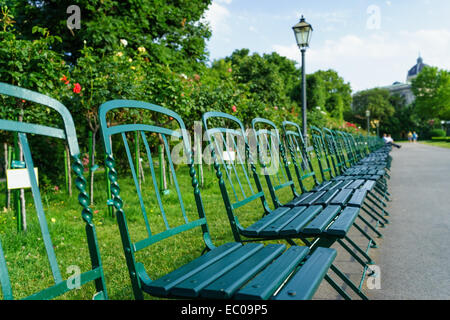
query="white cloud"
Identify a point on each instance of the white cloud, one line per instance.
(218, 18)
(378, 59)
(224, 1)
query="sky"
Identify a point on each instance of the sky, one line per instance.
(370, 43)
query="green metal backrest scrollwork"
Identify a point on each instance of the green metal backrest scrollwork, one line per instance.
(321, 153)
(167, 223)
(68, 133)
(351, 147)
(234, 177)
(301, 155)
(276, 171)
(335, 151)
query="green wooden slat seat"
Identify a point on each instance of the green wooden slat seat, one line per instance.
(368, 185)
(341, 226)
(298, 200)
(309, 277)
(251, 271)
(357, 198)
(356, 184)
(227, 284)
(296, 225)
(327, 197)
(276, 226)
(191, 286)
(58, 286)
(162, 286)
(313, 198)
(317, 226)
(342, 197)
(264, 284)
(262, 223)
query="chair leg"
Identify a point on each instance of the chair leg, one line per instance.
(336, 287)
(386, 221)
(370, 226)
(371, 240)
(354, 255)
(373, 217)
(361, 251)
(348, 282)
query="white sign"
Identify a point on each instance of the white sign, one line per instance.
(229, 155)
(19, 178)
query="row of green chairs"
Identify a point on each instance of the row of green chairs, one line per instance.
(264, 261)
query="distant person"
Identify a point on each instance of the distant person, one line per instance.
(414, 137)
(385, 138)
(391, 142)
(410, 136)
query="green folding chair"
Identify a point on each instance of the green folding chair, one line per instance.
(67, 133)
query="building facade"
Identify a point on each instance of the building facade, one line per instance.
(404, 89)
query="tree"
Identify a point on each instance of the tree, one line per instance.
(270, 77)
(376, 101)
(171, 30)
(432, 91)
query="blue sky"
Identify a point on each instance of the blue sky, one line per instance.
(369, 42)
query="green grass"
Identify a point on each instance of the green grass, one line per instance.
(442, 144)
(25, 254)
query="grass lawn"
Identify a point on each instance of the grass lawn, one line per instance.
(27, 261)
(442, 144)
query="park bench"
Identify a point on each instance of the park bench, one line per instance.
(226, 132)
(68, 134)
(230, 271)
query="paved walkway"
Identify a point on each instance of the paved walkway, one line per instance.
(414, 253)
(414, 257)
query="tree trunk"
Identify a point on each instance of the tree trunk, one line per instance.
(163, 164)
(8, 192)
(69, 175)
(91, 164)
(22, 191)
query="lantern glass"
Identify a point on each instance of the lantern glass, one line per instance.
(303, 32)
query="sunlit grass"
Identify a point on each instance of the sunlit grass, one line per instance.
(26, 257)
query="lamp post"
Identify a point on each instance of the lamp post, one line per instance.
(368, 121)
(303, 31)
(377, 124)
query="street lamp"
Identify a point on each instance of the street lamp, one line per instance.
(368, 121)
(377, 124)
(303, 31)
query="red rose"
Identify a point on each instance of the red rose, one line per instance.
(77, 88)
(64, 78)
(233, 108)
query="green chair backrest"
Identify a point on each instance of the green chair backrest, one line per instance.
(270, 147)
(165, 224)
(226, 135)
(67, 133)
(334, 150)
(301, 155)
(321, 153)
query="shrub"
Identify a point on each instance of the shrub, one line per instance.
(437, 133)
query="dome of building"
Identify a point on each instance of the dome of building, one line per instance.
(415, 70)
